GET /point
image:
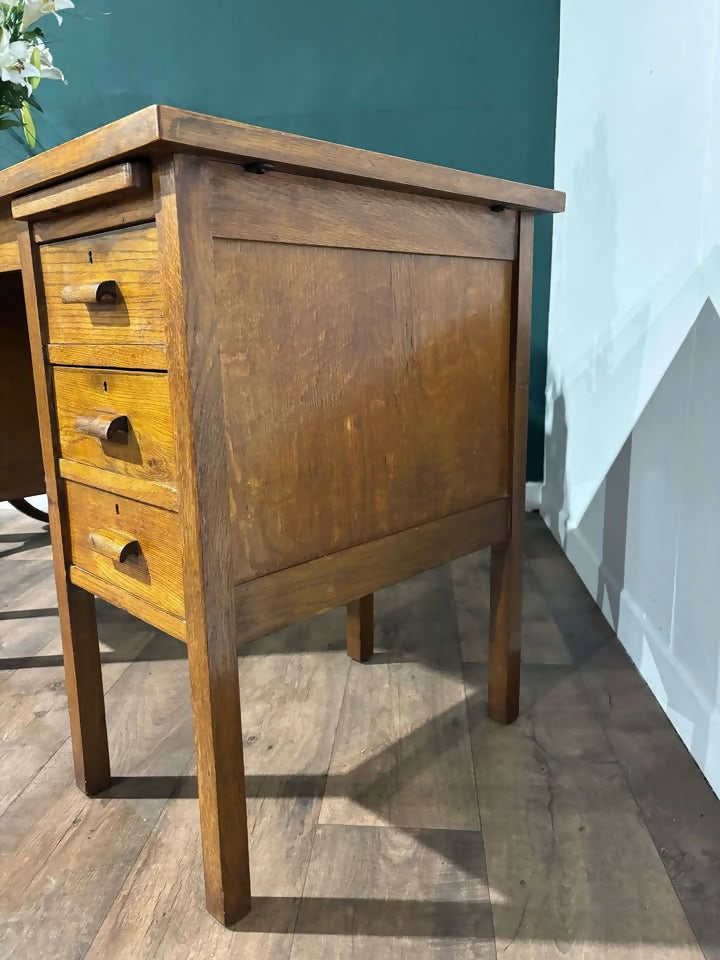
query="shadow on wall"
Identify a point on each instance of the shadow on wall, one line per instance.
(648, 544)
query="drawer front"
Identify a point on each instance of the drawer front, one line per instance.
(132, 545)
(116, 420)
(104, 288)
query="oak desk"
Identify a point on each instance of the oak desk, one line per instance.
(273, 376)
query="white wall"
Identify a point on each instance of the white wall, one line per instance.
(632, 484)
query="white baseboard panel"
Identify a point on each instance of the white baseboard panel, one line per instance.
(533, 494)
(695, 718)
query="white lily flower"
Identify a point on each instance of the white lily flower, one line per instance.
(34, 9)
(48, 70)
(15, 65)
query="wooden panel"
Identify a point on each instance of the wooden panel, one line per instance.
(146, 491)
(286, 208)
(119, 597)
(21, 466)
(129, 257)
(156, 576)
(147, 356)
(106, 185)
(271, 602)
(147, 450)
(135, 209)
(351, 371)
(160, 129)
(9, 252)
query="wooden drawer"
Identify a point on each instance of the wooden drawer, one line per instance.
(127, 308)
(151, 568)
(116, 420)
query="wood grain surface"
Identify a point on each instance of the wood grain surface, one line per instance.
(286, 208)
(147, 450)
(353, 372)
(161, 130)
(156, 575)
(106, 185)
(129, 257)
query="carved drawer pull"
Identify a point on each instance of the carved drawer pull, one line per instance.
(104, 426)
(104, 292)
(114, 545)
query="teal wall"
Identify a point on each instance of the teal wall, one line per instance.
(465, 83)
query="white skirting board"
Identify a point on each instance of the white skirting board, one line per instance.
(696, 720)
(533, 493)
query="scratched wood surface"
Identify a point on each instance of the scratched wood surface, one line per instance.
(388, 817)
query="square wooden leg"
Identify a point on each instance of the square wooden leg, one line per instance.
(360, 628)
(221, 779)
(505, 630)
(83, 681)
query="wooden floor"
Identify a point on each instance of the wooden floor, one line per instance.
(388, 816)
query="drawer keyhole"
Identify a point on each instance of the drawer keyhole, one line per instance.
(90, 256)
(117, 509)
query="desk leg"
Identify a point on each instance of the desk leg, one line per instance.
(83, 681)
(506, 568)
(76, 607)
(505, 622)
(221, 777)
(187, 272)
(360, 628)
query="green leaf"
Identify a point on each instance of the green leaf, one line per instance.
(28, 126)
(7, 122)
(32, 100)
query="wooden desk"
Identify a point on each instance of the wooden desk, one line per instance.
(274, 375)
(21, 466)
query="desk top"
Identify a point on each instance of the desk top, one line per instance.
(159, 130)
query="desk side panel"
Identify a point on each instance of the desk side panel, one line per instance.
(366, 391)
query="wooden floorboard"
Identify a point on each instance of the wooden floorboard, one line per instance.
(388, 817)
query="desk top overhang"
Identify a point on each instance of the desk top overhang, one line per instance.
(159, 130)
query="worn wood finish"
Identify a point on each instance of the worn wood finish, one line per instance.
(76, 607)
(92, 401)
(360, 628)
(9, 251)
(124, 213)
(90, 294)
(162, 130)
(304, 380)
(368, 387)
(21, 467)
(506, 564)
(129, 258)
(116, 546)
(156, 574)
(106, 185)
(270, 602)
(147, 356)
(120, 597)
(147, 491)
(286, 208)
(196, 392)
